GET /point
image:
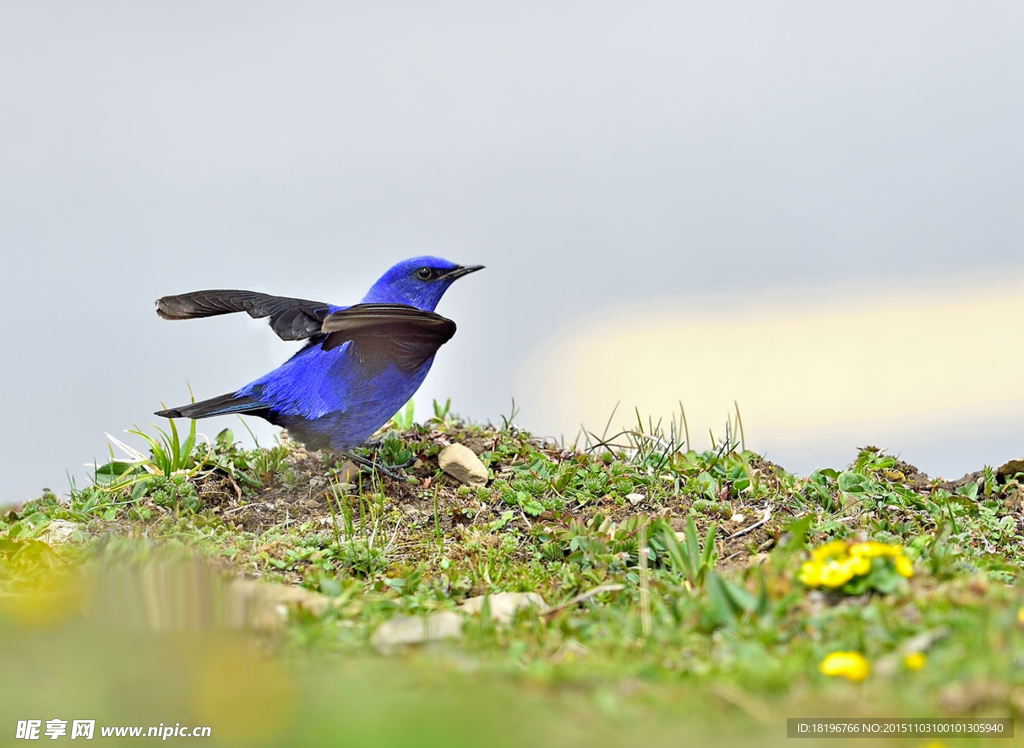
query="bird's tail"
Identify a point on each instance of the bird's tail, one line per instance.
(218, 406)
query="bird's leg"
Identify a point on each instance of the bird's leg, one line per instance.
(374, 465)
(377, 442)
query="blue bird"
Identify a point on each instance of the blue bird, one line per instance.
(361, 365)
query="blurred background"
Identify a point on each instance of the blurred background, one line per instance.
(813, 211)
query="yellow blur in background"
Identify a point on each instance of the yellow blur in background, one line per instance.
(816, 372)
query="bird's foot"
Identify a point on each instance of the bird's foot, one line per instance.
(375, 466)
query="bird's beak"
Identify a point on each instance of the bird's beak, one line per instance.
(462, 270)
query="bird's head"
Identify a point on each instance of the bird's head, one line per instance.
(419, 282)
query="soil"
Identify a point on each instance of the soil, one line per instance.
(300, 496)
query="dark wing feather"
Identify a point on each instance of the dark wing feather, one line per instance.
(395, 333)
(291, 319)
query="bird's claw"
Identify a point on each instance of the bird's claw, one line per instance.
(377, 467)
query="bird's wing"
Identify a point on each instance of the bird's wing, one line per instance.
(291, 319)
(395, 333)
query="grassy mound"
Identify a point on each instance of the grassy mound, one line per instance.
(682, 593)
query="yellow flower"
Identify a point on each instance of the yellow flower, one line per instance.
(859, 565)
(836, 563)
(903, 566)
(829, 551)
(915, 660)
(850, 665)
(872, 549)
(836, 573)
(833, 573)
(810, 574)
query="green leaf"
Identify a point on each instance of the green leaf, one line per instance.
(722, 607)
(851, 482)
(225, 440)
(441, 411)
(501, 521)
(532, 507)
(795, 534)
(969, 490)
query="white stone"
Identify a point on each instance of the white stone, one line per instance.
(403, 631)
(503, 605)
(267, 606)
(58, 532)
(461, 462)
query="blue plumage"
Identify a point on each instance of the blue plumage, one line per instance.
(361, 364)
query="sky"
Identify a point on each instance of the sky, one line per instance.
(813, 210)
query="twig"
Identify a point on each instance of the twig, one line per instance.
(581, 597)
(745, 530)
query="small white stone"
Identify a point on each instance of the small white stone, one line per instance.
(461, 462)
(403, 631)
(503, 605)
(736, 518)
(635, 498)
(267, 606)
(58, 532)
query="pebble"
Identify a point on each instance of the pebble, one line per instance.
(503, 605)
(58, 532)
(403, 631)
(461, 463)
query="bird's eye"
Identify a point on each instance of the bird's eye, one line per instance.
(424, 273)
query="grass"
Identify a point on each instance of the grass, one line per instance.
(670, 576)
